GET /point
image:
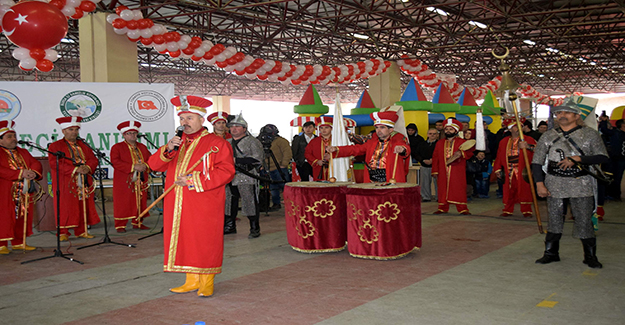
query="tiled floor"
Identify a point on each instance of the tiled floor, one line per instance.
(475, 269)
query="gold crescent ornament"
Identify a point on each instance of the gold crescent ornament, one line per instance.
(501, 57)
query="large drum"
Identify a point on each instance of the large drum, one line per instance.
(315, 216)
(383, 221)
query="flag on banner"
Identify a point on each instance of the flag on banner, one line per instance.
(340, 166)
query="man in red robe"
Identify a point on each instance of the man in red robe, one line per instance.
(316, 149)
(18, 172)
(449, 164)
(387, 154)
(130, 179)
(219, 120)
(510, 164)
(75, 180)
(199, 165)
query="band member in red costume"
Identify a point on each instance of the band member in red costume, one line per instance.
(449, 164)
(387, 154)
(17, 169)
(316, 148)
(75, 178)
(193, 215)
(130, 179)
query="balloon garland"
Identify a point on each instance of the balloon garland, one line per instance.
(36, 27)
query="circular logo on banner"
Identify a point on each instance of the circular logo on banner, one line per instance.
(81, 103)
(10, 105)
(147, 106)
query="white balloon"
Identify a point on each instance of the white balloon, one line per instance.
(21, 53)
(51, 55)
(69, 11)
(182, 44)
(73, 3)
(111, 17)
(211, 61)
(273, 78)
(186, 56)
(160, 47)
(261, 71)
(127, 15)
(240, 66)
(199, 52)
(28, 63)
(137, 14)
(172, 46)
(269, 64)
(7, 2)
(185, 38)
(220, 57)
(206, 46)
(368, 64)
(229, 68)
(134, 34)
(230, 51)
(120, 31)
(286, 82)
(250, 76)
(248, 60)
(146, 33)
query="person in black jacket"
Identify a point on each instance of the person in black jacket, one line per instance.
(298, 146)
(414, 138)
(425, 149)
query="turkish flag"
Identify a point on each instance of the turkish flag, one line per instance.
(146, 104)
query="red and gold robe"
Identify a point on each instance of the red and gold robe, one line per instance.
(193, 216)
(12, 165)
(71, 211)
(510, 161)
(124, 156)
(313, 153)
(379, 155)
(452, 178)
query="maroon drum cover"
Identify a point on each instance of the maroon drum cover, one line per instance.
(315, 216)
(383, 221)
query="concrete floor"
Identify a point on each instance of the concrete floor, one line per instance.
(475, 269)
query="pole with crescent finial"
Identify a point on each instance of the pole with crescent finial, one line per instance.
(509, 86)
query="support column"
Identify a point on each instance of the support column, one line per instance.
(385, 89)
(221, 103)
(104, 55)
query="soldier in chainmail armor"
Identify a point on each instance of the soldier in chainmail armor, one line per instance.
(248, 155)
(556, 168)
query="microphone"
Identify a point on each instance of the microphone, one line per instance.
(141, 135)
(179, 131)
(81, 139)
(22, 142)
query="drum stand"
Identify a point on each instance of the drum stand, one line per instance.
(106, 239)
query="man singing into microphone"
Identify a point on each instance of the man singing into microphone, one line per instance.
(75, 180)
(130, 180)
(17, 168)
(199, 165)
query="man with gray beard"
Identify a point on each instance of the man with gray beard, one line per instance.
(563, 149)
(248, 156)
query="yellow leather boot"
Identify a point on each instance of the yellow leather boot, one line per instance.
(4, 250)
(192, 283)
(206, 285)
(24, 247)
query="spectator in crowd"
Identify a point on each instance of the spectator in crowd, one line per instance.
(542, 127)
(439, 125)
(482, 168)
(528, 131)
(415, 139)
(298, 147)
(424, 156)
(281, 150)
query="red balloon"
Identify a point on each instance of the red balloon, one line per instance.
(45, 65)
(146, 41)
(296, 81)
(132, 24)
(175, 54)
(119, 23)
(176, 36)
(134, 39)
(169, 37)
(143, 23)
(37, 54)
(196, 39)
(78, 14)
(195, 58)
(208, 55)
(188, 51)
(119, 9)
(58, 3)
(250, 70)
(240, 73)
(87, 6)
(231, 61)
(222, 64)
(158, 39)
(34, 24)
